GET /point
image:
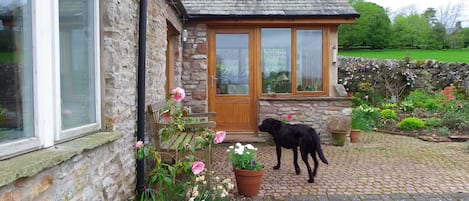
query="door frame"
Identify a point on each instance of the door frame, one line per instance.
(253, 72)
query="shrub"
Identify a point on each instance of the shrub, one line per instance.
(388, 114)
(389, 105)
(411, 123)
(444, 131)
(432, 122)
(407, 106)
(364, 117)
(427, 101)
(369, 98)
(452, 120)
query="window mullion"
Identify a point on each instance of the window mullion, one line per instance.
(43, 37)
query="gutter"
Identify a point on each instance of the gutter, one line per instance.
(234, 16)
(142, 46)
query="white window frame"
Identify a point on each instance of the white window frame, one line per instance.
(46, 79)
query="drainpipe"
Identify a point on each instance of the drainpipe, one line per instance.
(141, 91)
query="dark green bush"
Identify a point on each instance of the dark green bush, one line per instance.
(432, 122)
(444, 131)
(411, 123)
(452, 120)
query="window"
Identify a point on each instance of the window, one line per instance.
(49, 93)
(302, 73)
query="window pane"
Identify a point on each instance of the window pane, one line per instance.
(232, 63)
(77, 67)
(16, 81)
(276, 60)
(309, 60)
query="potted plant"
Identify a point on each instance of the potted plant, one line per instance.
(364, 118)
(248, 171)
(338, 127)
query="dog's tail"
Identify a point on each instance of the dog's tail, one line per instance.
(319, 149)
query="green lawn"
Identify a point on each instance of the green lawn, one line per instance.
(6, 57)
(452, 55)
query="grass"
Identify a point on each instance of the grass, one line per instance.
(7, 57)
(451, 55)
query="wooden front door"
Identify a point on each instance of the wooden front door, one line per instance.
(231, 80)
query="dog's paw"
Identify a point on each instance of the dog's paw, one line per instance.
(310, 180)
(276, 167)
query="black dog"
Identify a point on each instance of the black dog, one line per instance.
(291, 136)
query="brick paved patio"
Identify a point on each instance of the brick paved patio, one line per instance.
(380, 167)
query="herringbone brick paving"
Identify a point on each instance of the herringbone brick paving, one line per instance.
(380, 167)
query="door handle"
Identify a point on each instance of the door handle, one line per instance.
(214, 80)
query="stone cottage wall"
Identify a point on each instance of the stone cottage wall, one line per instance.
(316, 112)
(108, 171)
(195, 67)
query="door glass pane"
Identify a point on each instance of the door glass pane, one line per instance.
(232, 63)
(77, 68)
(276, 60)
(309, 60)
(16, 70)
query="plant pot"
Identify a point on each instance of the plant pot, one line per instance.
(338, 138)
(249, 181)
(355, 135)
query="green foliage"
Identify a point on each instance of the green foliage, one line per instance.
(388, 114)
(452, 120)
(411, 123)
(427, 101)
(371, 29)
(244, 157)
(411, 31)
(443, 131)
(389, 105)
(369, 98)
(432, 122)
(364, 117)
(407, 106)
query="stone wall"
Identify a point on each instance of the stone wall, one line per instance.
(428, 74)
(315, 111)
(108, 172)
(195, 67)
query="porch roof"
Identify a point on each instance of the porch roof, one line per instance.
(209, 9)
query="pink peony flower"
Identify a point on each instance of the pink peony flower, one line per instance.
(166, 116)
(289, 116)
(139, 145)
(178, 94)
(219, 137)
(198, 167)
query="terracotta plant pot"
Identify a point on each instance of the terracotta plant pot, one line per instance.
(338, 137)
(249, 181)
(355, 136)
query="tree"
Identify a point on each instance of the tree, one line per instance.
(411, 31)
(371, 29)
(449, 14)
(462, 38)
